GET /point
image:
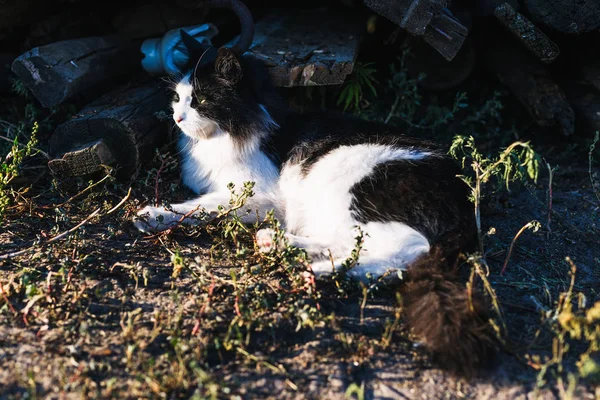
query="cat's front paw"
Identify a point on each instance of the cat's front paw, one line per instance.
(265, 240)
(153, 219)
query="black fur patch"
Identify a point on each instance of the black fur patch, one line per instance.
(305, 138)
(425, 194)
(231, 98)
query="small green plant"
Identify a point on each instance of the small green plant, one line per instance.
(574, 326)
(9, 168)
(262, 291)
(406, 90)
(353, 91)
(354, 389)
(340, 278)
(408, 99)
(516, 162)
(489, 111)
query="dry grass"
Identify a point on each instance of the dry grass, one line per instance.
(89, 307)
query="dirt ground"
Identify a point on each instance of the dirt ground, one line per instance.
(109, 312)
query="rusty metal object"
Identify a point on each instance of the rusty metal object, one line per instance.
(241, 11)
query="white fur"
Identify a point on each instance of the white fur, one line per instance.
(318, 216)
(211, 160)
(186, 118)
(315, 206)
(210, 164)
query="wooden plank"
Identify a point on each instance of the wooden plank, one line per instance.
(59, 71)
(122, 129)
(446, 34)
(411, 15)
(307, 47)
(428, 18)
(527, 33)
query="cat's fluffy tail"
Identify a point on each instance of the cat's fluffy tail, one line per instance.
(438, 310)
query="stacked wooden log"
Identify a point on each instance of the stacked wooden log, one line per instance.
(119, 122)
(90, 59)
(121, 128)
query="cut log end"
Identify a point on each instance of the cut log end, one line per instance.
(121, 129)
(83, 161)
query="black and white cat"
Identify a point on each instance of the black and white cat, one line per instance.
(324, 175)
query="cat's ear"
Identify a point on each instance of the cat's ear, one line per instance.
(194, 48)
(228, 66)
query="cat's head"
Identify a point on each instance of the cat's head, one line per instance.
(221, 97)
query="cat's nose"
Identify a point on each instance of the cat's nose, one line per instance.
(179, 119)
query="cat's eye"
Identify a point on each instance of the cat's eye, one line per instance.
(196, 100)
(176, 98)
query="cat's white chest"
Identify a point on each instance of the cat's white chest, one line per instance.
(209, 165)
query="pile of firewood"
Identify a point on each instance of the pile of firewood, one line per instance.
(544, 51)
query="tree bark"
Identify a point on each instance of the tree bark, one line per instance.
(120, 129)
(59, 71)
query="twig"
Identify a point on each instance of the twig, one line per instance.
(205, 305)
(363, 304)
(392, 110)
(12, 309)
(531, 224)
(22, 145)
(551, 174)
(177, 223)
(115, 208)
(162, 165)
(590, 159)
(93, 185)
(54, 239)
(277, 369)
(478, 263)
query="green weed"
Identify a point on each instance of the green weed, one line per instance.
(515, 163)
(574, 326)
(353, 91)
(408, 100)
(9, 168)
